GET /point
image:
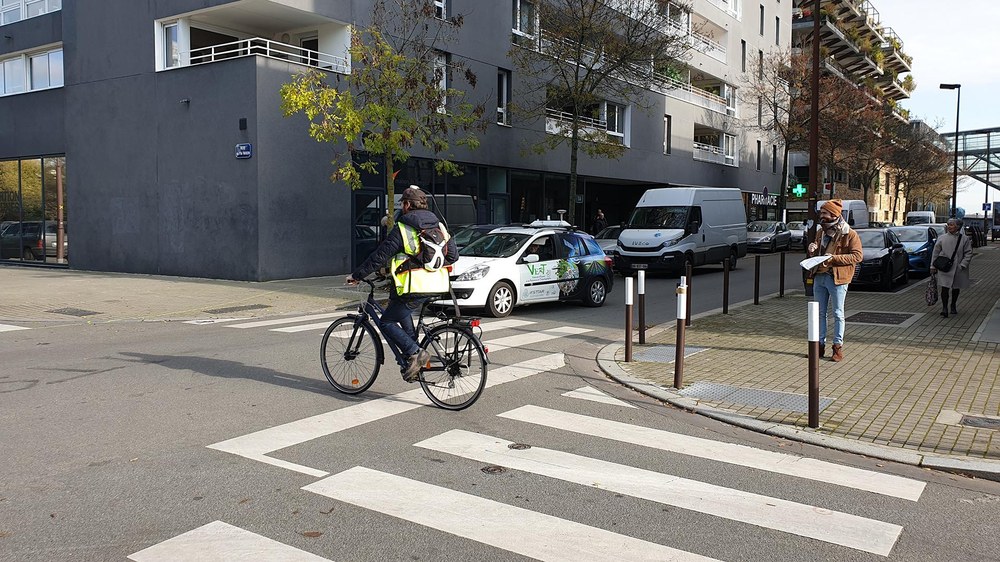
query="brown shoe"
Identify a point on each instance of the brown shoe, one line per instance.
(822, 350)
(838, 353)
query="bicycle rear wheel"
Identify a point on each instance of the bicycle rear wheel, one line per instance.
(456, 373)
(351, 354)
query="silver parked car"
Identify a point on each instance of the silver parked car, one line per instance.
(768, 235)
(798, 230)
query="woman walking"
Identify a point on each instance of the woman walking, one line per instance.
(957, 247)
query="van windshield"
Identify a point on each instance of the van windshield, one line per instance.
(918, 219)
(659, 217)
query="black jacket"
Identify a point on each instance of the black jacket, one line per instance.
(393, 243)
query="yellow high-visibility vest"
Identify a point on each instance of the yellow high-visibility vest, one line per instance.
(410, 279)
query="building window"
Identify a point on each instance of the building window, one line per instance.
(761, 20)
(441, 9)
(171, 46)
(614, 116)
(774, 159)
(729, 147)
(777, 31)
(441, 76)
(743, 55)
(758, 156)
(17, 10)
(523, 18)
(503, 96)
(666, 134)
(760, 64)
(760, 112)
(31, 71)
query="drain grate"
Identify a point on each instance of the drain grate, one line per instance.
(237, 308)
(980, 422)
(663, 353)
(73, 312)
(770, 399)
(882, 318)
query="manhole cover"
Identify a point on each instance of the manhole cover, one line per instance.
(662, 353)
(518, 446)
(715, 392)
(73, 312)
(980, 422)
(237, 308)
(493, 469)
(890, 318)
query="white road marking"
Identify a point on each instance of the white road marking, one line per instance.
(222, 542)
(279, 321)
(533, 337)
(256, 446)
(204, 321)
(594, 395)
(486, 327)
(303, 328)
(804, 520)
(11, 328)
(781, 463)
(511, 528)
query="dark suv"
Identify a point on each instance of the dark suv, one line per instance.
(25, 240)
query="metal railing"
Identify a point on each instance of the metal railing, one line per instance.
(709, 153)
(258, 46)
(708, 46)
(731, 7)
(686, 92)
(565, 119)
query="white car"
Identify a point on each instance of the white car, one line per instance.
(544, 261)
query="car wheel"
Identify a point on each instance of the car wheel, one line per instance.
(596, 293)
(734, 256)
(500, 301)
(774, 246)
(887, 277)
(27, 254)
(906, 275)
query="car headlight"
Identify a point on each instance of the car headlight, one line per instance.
(669, 243)
(765, 239)
(475, 273)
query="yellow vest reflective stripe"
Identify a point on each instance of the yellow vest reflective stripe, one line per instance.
(415, 281)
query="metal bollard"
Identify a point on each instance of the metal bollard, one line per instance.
(642, 306)
(781, 276)
(725, 286)
(813, 364)
(690, 275)
(628, 319)
(756, 279)
(682, 314)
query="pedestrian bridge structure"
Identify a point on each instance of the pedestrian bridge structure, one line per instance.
(978, 154)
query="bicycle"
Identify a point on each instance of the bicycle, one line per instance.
(351, 354)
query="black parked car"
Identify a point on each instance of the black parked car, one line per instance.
(885, 261)
(25, 240)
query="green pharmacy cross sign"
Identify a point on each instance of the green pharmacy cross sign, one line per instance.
(799, 190)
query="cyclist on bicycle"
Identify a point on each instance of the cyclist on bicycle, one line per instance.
(413, 283)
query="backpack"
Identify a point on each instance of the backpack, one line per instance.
(433, 247)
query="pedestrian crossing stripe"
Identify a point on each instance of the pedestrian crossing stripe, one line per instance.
(515, 529)
(205, 321)
(742, 455)
(534, 337)
(826, 525)
(256, 446)
(279, 321)
(594, 395)
(222, 542)
(11, 328)
(486, 327)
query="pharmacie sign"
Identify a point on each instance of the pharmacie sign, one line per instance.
(764, 199)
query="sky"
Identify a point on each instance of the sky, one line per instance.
(951, 42)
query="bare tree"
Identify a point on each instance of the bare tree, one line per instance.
(583, 61)
(923, 162)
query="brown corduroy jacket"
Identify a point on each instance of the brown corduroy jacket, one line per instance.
(846, 254)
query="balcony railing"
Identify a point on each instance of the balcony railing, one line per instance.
(686, 92)
(558, 122)
(708, 46)
(258, 46)
(711, 153)
(731, 7)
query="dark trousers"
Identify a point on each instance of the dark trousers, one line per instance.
(944, 297)
(396, 324)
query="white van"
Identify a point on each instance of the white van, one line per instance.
(920, 217)
(855, 212)
(673, 226)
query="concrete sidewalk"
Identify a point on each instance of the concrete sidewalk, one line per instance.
(914, 387)
(44, 295)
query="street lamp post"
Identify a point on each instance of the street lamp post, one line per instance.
(954, 176)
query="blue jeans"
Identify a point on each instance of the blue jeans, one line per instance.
(823, 290)
(396, 324)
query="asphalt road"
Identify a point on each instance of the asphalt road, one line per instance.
(174, 441)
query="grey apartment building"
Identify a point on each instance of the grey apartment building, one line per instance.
(146, 136)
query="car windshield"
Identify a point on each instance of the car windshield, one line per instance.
(659, 217)
(498, 245)
(796, 226)
(911, 234)
(467, 235)
(609, 232)
(872, 239)
(761, 226)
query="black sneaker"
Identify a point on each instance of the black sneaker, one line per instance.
(417, 361)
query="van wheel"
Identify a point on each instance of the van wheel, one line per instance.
(734, 256)
(500, 301)
(596, 293)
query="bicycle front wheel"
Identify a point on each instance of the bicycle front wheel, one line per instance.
(351, 354)
(455, 376)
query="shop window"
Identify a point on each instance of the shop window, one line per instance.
(32, 210)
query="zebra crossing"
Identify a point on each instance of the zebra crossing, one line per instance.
(11, 328)
(538, 534)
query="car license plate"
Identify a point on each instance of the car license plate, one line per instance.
(639, 266)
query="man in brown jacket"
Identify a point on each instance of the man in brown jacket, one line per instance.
(835, 238)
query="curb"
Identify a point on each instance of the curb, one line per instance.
(986, 469)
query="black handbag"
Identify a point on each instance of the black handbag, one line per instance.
(944, 264)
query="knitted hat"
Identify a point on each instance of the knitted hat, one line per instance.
(414, 194)
(834, 207)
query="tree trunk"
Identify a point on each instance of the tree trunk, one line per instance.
(390, 193)
(574, 156)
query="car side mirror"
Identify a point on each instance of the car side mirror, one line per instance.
(897, 246)
(530, 258)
